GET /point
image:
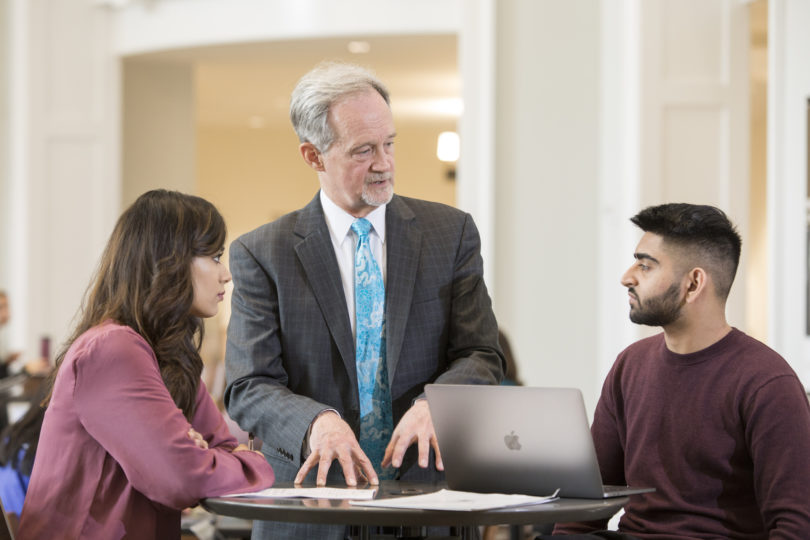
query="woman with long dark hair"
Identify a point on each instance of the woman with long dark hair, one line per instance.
(130, 435)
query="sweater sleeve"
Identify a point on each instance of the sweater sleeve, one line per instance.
(123, 403)
(777, 429)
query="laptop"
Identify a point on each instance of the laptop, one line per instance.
(517, 439)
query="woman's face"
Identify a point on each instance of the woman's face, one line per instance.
(208, 277)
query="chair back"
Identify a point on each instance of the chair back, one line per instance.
(5, 525)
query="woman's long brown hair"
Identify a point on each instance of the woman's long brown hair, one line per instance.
(144, 281)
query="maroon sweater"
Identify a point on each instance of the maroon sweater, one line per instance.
(723, 435)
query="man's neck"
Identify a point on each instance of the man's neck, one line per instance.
(685, 337)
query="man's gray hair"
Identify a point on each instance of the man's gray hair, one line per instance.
(318, 90)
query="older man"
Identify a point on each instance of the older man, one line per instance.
(343, 310)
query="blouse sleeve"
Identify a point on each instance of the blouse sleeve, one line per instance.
(123, 404)
(210, 423)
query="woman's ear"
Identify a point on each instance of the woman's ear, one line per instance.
(312, 156)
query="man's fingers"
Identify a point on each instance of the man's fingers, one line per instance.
(323, 468)
(366, 468)
(363, 476)
(333, 439)
(348, 466)
(434, 442)
(400, 445)
(305, 468)
(389, 451)
(423, 445)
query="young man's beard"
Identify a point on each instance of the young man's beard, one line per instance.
(659, 310)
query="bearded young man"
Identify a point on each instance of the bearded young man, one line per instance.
(714, 420)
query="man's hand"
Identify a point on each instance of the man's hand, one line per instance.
(416, 426)
(331, 438)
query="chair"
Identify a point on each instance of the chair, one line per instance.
(5, 525)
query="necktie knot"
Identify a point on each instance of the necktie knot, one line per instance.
(361, 228)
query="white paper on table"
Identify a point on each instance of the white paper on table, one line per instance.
(446, 499)
(310, 493)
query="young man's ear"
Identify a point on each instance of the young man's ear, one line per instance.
(312, 156)
(696, 283)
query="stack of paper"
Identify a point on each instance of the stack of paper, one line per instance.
(446, 499)
(311, 493)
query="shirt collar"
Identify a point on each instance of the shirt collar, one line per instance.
(339, 221)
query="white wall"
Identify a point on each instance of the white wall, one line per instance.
(602, 108)
(160, 25)
(619, 173)
(789, 79)
(561, 196)
(5, 123)
(64, 181)
(158, 146)
(694, 112)
(476, 180)
(547, 170)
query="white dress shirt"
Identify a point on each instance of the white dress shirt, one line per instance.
(344, 241)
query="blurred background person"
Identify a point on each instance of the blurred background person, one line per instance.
(11, 361)
(20, 381)
(18, 447)
(7, 357)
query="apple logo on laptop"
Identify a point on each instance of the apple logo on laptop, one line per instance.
(511, 440)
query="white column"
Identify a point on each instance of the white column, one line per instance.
(547, 153)
(15, 253)
(475, 182)
(64, 185)
(619, 174)
(788, 151)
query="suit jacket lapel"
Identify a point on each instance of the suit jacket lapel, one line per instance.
(404, 240)
(317, 256)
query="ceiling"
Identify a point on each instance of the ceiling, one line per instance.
(250, 83)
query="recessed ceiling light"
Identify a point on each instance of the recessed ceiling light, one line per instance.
(359, 47)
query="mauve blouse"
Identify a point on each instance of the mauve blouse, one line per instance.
(114, 458)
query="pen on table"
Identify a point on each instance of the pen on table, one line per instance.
(250, 441)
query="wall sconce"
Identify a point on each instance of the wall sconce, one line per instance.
(448, 146)
(447, 149)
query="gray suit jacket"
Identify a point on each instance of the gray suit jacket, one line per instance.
(290, 350)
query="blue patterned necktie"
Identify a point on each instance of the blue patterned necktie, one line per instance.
(376, 424)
